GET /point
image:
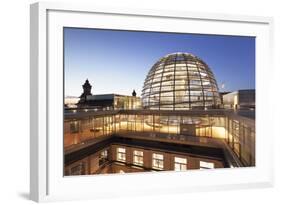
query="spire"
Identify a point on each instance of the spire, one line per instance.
(134, 93)
(86, 89)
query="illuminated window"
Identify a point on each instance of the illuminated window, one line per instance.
(78, 169)
(121, 154)
(157, 161)
(207, 165)
(138, 157)
(74, 127)
(180, 163)
(103, 157)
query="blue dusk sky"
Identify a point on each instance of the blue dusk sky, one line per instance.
(118, 61)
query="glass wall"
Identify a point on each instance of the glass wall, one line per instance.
(236, 131)
(241, 138)
(84, 130)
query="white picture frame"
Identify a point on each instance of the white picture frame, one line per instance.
(46, 149)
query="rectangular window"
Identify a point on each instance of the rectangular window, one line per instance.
(74, 127)
(180, 164)
(207, 165)
(121, 154)
(103, 157)
(138, 157)
(78, 170)
(157, 161)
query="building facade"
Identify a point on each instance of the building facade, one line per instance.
(217, 128)
(178, 124)
(113, 102)
(89, 101)
(241, 99)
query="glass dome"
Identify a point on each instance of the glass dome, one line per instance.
(180, 81)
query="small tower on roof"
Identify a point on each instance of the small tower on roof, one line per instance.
(86, 90)
(134, 93)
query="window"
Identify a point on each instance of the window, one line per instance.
(157, 161)
(180, 163)
(74, 127)
(103, 157)
(78, 169)
(121, 154)
(138, 157)
(207, 165)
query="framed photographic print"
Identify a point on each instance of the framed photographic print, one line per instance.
(127, 102)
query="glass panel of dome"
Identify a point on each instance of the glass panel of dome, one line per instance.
(195, 82)
(155, 98)
(195, 87)
(181, 82)
(194, 72)
(186, 107)
(179, 94)
(166, 66)
(195, 76)
(181, 72)
(205, 81)
(167, 99)
(191, 64)
(196, 104)
(159, 75)
(156, 81)
(156, 89)
(182, 99)
(168, 73)
(209, 99)
(167, 107)
(155, 85)
(168, 83)
(203, 74)
(153, 101)
(180, 57)
(180, 66)
(165, 94)
(168, 78)
(180, 77)
(180, 87)
(159, 71)
(168, 69)
(196, 93)
(182, 106)
(166, 88)
(208, 89)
